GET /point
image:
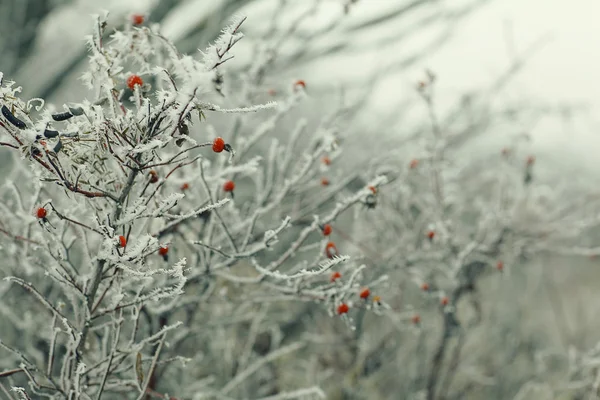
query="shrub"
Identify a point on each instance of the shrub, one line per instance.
(179, 236)
(120, 221)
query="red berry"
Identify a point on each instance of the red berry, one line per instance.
(373, 189)
(499, 265)
(416, 319)
(327, 229)
(163, 250)
(425, 286)
(431, 235)
(414, 163)
(343, 308)
(41, 213)
(300, 82)
(153, 176)
(530, 160)
(331, 250)
(365, 293)
(137, 19)
(218, 145)
(185, 186)
(444, 301)
(122, 241)
(326, 160)
(324, 182)
(335, 276)
(134, 80)
(228, 186)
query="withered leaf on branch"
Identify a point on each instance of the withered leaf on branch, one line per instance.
(139, 372)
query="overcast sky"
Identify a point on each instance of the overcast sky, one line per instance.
(565, 69)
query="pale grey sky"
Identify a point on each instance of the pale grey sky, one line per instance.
(565, 69)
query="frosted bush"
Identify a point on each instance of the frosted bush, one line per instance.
(188, 232)
(143, 235)
(449, 219)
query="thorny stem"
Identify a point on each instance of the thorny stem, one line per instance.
(223, 225)
(232, 41)
(117, 335)
(26, 370)
(453, 363)
(436, 158)
(467, 276)
(97, 277)
(450, 324)
(172, 159)
(4, 374)
(63, 217)
(153, 366)
(9, 145)
(18, 237)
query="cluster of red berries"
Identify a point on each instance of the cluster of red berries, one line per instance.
(364, 294)
(163, 251)
(443, 301)
(218, 146)
(326, 161)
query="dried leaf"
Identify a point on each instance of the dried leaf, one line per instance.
(139, 372)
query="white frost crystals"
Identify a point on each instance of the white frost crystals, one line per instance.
(130, 231)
